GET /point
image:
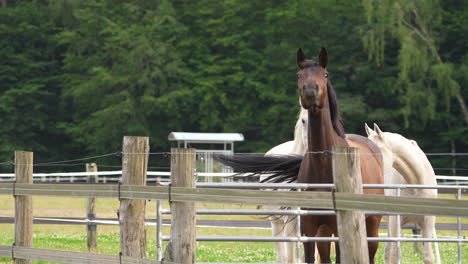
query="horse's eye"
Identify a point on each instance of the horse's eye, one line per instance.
(326, 75)
(298, 76)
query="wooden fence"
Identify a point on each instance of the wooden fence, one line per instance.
(182, 195)
(319, 200)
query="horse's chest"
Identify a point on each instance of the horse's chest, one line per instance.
(317, 169)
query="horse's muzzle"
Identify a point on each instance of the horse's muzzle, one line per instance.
(310, 91)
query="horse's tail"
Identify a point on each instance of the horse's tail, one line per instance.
(277, 168)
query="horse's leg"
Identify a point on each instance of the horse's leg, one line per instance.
(416, 245)
(309, 229)
(277, 227)
(390, 247)
(337, 251)
(290, 229)
(324, 247)
(427, 232)
(337, 247)
(372, 226)
(436, 245)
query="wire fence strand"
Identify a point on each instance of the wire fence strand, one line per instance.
(69, 163)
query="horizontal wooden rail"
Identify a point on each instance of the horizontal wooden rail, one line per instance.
(61, 256)
(319, 200)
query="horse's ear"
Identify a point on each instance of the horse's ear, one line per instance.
(369, 131)
(377, 130)
(323, 58)
(301, 58)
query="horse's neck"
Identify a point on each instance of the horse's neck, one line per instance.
(414, 166)
(321, 135)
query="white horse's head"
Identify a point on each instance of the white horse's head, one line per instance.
(300, 131)
(378, 137)
(402, 154)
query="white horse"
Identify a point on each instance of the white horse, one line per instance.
(405, 163)
(286, 225)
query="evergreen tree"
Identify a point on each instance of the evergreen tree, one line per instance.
(120, 58)
(29, 90)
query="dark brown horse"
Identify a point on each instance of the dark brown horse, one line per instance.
(325, 130)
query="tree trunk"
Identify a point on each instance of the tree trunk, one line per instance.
(462, 104)
(454, 160)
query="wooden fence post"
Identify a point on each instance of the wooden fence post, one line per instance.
(351, 224)
(23, 203)
(132, 212)
(90, 210)
(181, 248)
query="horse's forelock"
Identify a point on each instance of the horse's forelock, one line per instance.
(337, 121)
(309, 64)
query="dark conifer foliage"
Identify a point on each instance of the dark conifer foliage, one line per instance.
(76, 76)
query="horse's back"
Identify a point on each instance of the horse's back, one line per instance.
(286, 148)
(371, 161)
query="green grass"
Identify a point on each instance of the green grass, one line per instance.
(73, 237)
(108, 243)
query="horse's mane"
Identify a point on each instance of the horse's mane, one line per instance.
(335, 115)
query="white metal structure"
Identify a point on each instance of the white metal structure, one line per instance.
(204, 156)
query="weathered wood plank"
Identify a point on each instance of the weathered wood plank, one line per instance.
(394, 204)
(91, 229)
(351, 223)
(182, 245)
(61, 256)
(318, 199)
(23, 203)
(6, 188)
(380, 203)
(67, 190)
(132, 212)
(5, 251)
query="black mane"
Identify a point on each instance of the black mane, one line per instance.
(335, 115)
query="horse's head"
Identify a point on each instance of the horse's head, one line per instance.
(404, 155)
(300, 131)
(381, 140)
(315, 89)
(312, 81)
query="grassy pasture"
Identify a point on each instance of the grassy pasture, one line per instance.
(73, 237)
